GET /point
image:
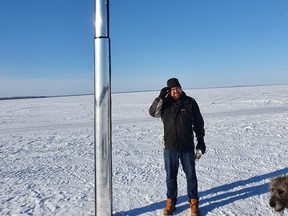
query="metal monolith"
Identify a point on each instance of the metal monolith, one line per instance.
(102, 111)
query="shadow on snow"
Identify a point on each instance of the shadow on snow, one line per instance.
(224, 195)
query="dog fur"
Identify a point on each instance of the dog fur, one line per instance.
(279, 193)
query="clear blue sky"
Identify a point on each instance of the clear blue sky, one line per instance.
(47, 47)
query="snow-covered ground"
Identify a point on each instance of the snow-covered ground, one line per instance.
(47, 153)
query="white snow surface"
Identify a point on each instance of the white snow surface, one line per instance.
(47, 153)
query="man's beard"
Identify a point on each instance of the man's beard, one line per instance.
(176, 96)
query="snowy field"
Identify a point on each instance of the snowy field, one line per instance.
(47, 160)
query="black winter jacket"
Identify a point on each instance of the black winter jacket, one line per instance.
(180, 119)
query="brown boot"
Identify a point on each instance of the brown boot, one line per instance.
(169, 208)
(194, 207)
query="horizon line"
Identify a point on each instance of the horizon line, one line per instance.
(132, 91)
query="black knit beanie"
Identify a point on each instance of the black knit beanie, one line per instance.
(173, 82)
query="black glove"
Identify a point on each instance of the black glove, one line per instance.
(201, 145)
(164, 91)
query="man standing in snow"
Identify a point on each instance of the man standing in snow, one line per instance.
(181, 116)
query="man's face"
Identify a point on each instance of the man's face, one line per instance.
(176, 93)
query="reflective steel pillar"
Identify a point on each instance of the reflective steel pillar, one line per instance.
(102, 111)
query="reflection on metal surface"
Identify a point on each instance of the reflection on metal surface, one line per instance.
(102, 111)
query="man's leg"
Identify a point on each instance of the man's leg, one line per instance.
(171, 160)
(188, 164)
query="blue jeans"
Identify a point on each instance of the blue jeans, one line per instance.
(171, 160)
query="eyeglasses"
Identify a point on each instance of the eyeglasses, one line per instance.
(178, 89)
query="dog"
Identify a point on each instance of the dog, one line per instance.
(279, 193)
